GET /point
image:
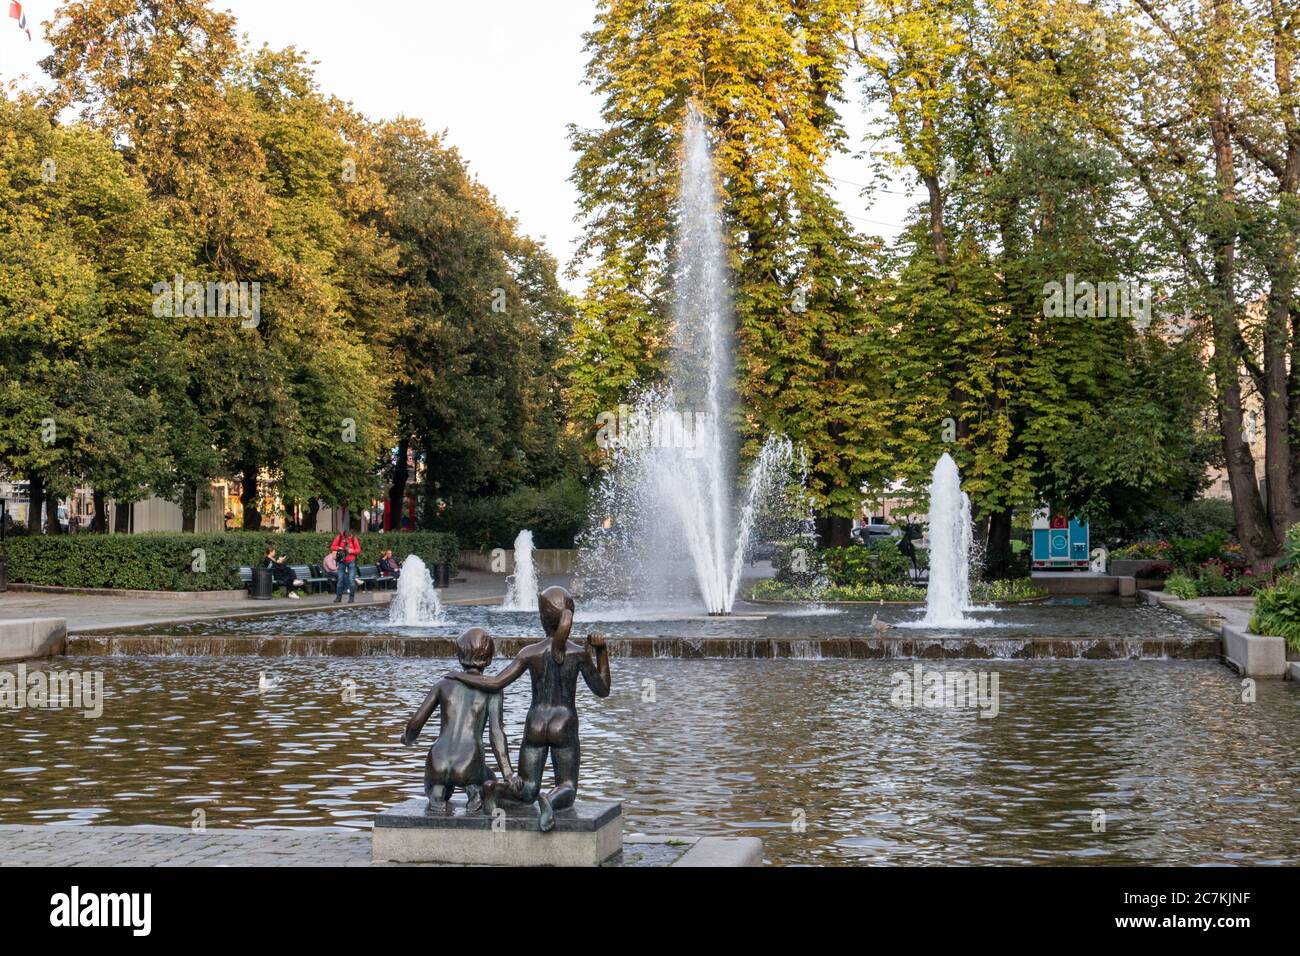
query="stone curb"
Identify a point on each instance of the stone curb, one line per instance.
(1253, 655)
(724, 851)
(30, 638)
(123, 846)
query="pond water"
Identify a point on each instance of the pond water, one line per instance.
(1080, 619)
(809, 755)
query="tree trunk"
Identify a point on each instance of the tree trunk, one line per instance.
(1277, 405)
(189, 507)
(393, 513)
(834, 531)
(52, 525)
(419, 521)
(313, 512)
(998, 560)
(248, 497)
(1254, 529)
(99, 524)
(35, 502)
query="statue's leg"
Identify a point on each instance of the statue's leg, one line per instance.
(439, 794)
(474, 797)
(565, 760)
(532, 763)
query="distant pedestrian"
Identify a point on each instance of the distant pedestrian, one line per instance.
(347, 548)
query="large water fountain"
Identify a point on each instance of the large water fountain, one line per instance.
(948, 594)
(668, 518)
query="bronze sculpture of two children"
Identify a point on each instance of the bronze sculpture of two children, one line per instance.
(471, 701)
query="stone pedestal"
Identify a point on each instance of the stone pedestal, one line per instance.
(586, 834)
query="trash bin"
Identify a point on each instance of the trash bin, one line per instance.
(4, 575)
(443, 572)
(263, 582)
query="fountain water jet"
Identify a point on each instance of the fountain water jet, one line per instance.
(666, 518)
(416, 602)
(947, 596)
(521, 587)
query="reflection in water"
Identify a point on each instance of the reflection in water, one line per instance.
(1182, 769)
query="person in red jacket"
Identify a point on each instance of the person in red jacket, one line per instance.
(347, 549)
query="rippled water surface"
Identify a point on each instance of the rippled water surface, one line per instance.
(1181, 768)
(1081, 619)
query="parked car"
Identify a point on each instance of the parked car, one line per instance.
(870, 533)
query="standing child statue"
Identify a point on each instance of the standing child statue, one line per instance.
(554, 664)
(456, 758)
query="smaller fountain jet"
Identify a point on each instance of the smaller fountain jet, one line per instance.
(947, 596)
(521, 587)
(416, 602)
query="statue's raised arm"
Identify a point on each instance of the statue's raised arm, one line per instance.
(596, 675)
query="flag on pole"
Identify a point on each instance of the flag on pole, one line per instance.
(16, 13)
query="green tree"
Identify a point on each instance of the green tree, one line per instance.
(766, 77)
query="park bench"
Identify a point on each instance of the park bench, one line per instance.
(329, 578)
(309, 577)
(368, 575)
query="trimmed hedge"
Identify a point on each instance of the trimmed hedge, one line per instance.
(164, 562)
(555, 515)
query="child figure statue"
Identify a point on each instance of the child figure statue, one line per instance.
(456, 758)
(554, 664)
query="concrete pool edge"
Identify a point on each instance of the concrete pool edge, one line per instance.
(1251, 655)
(63, 845)
(902, 647)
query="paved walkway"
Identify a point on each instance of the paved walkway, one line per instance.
(1210, 612)
(89, 613)
(138, 846)
(61, 845)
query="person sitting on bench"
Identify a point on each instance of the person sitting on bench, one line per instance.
(282, 573)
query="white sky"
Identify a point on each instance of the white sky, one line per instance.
(502, 77)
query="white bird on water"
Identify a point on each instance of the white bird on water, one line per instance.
(265, 683)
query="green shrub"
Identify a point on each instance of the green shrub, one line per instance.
(773, 589)
(797, 561)
(1180, 586)
(555, 515)
(1277, 610)
(1192, 520)
(1007, 589)
(165, 562)
(881, 562)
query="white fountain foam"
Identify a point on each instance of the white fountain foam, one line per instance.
(947, 596)
(521, 587)
(416, 602)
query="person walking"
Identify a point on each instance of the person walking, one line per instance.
(347, 548)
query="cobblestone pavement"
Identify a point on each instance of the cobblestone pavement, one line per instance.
(60, 846)
(141, 846)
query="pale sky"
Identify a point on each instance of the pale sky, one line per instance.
(502, 77)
